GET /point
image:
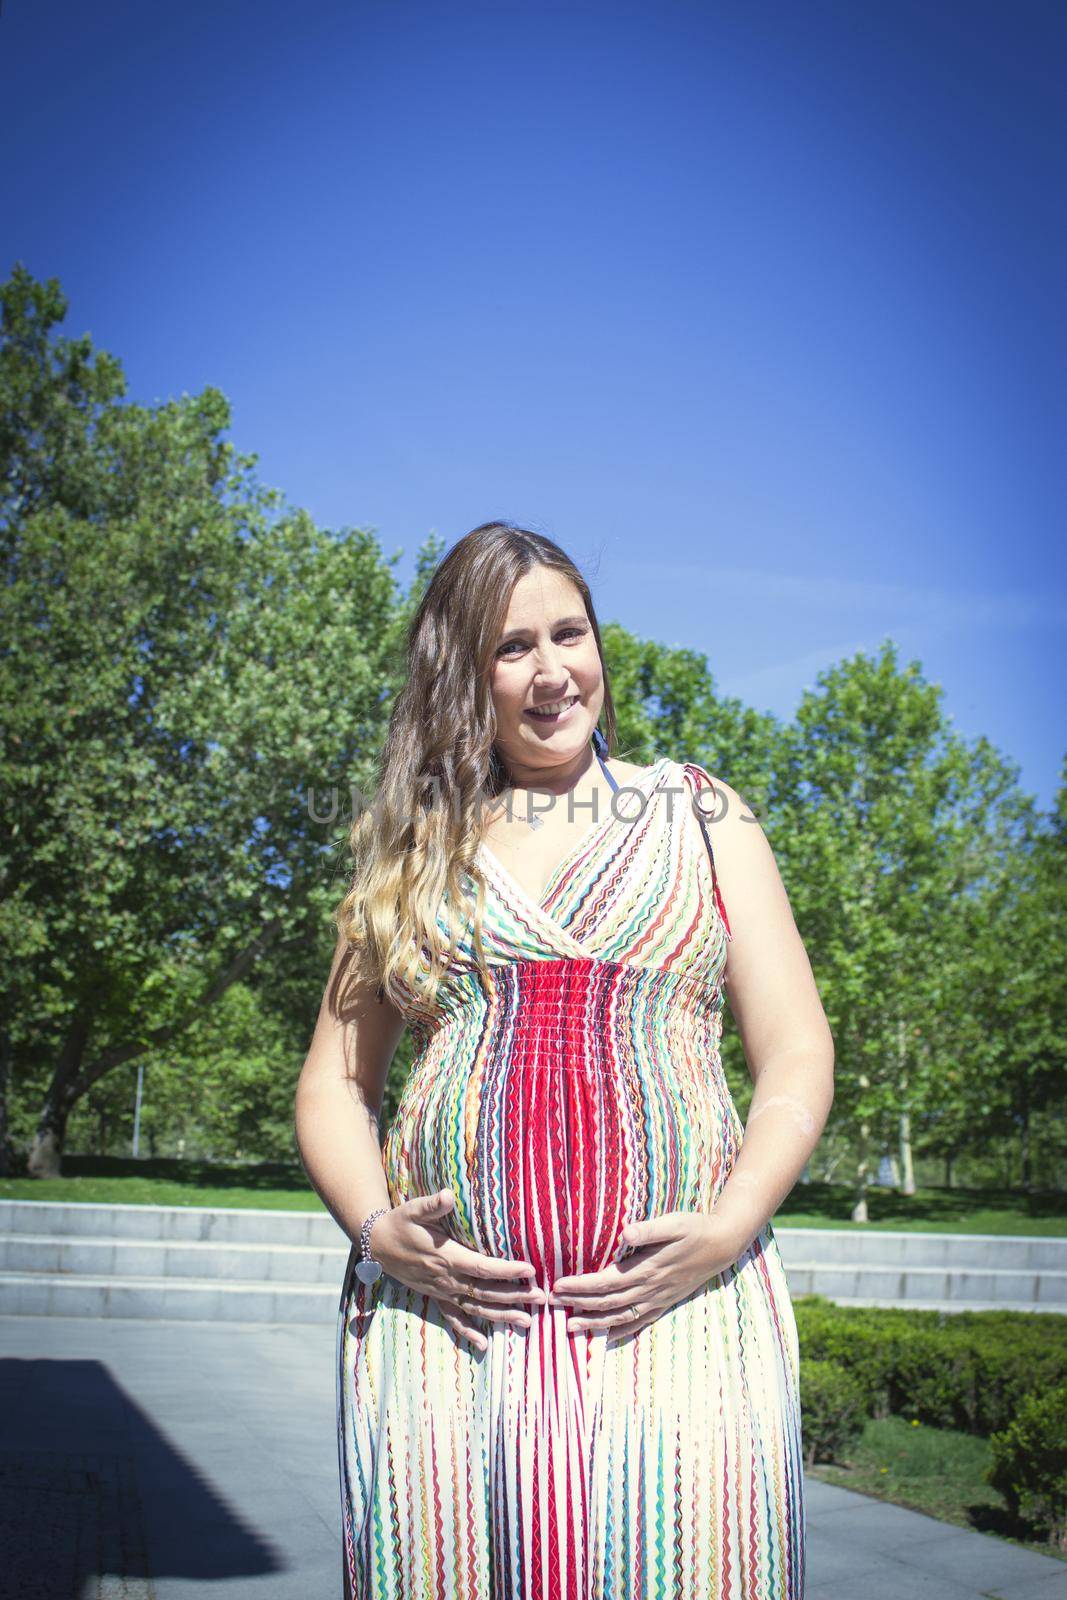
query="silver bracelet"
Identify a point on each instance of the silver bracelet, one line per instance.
(367, 1269)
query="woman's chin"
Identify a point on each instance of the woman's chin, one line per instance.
(563, 736)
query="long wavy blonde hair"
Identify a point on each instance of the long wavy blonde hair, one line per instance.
(415, 843)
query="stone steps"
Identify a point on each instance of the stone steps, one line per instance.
(980, 1251)
(36, 1294)
(1004, 1289)
(214, 1224)
(246, 1265)
(949, 1271)
(104, 1255)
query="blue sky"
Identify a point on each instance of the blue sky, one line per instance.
(757, 309)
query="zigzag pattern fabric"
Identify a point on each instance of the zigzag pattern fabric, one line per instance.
(580, 1089)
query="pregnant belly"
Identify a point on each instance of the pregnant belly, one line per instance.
(561, 1126)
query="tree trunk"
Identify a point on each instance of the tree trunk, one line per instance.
(46, 1152)
(907, 1165)
(7, 1149)
(69, 1082)
(863, 1166)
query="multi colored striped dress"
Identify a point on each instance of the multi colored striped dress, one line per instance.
(579, 1089)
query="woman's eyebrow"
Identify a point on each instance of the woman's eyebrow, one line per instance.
(560, 622)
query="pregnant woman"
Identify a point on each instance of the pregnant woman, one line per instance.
(567, 1360)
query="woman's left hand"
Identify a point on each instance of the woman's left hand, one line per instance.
(673, 1255)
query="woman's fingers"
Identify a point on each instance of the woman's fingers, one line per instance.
(618, 1323)
(468, 1262)
(621, 1321)
(618, 1300)
(472, 1305)
(458, 1314)
(464, 1329)
(483, 1293)
(619, 1335)
(485, 1282)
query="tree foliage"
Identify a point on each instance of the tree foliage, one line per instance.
(195, 676)
(184, 659)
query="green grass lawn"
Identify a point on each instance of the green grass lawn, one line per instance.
(935, 1470)
(284, 1187)
(115, 1180)
(929, 1210)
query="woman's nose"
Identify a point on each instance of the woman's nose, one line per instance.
(550, 672)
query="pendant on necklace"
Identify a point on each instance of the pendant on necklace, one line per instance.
(535, 822)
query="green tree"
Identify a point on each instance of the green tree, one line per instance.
(1011, 946)
(890, 826)
(184, 661)
(195, 676)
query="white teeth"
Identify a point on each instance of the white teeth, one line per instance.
(557, 705)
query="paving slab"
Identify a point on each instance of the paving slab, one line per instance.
(167, 1461)
(859, 1546)
(193, 1460)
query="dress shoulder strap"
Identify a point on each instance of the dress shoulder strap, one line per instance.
(604, 770)
(695, 773)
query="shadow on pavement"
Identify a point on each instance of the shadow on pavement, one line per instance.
(88, 1485)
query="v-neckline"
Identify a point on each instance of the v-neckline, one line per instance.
(541, 905)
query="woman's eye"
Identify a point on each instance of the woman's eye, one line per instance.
(517, 644)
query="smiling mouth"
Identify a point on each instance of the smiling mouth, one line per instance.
(553, 712)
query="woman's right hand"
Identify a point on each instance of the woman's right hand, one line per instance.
(413, 1248)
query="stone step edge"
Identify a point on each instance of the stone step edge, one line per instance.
(78, 1280)
(130, 1241)
(1050, 1275)
(1044, 1307)
(325, 1216)
(909, 1269)
(946, 1307)
(332, 1290)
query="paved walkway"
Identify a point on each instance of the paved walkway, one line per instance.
(181, 1461)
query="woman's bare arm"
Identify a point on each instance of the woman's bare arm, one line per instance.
(787, 1040)
(339, 1095)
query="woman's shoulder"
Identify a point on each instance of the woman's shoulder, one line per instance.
(628, 771)
(698, 777)
(692, 777)
(717, 799)
(636, 771)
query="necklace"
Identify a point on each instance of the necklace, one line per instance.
(538, 822)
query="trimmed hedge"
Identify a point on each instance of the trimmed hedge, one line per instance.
(832, 1410)
(1001, 1375)
(969, 1370)
(1029, 1465)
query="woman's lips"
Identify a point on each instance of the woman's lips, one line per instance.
(553, 717)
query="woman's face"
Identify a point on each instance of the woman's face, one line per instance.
(546, 653)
